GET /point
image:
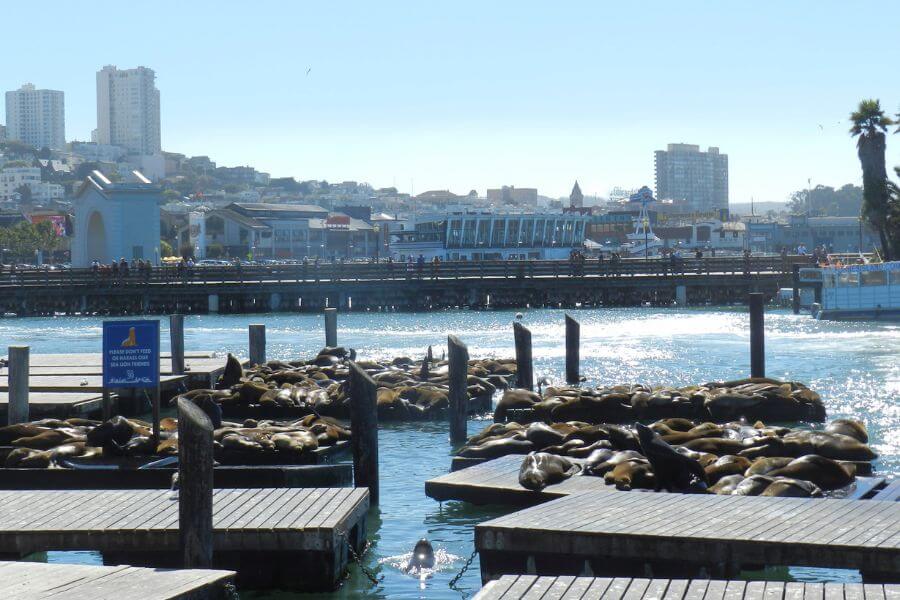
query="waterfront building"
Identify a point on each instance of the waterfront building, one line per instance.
(285, 231)
(837, 234)
(116, 220)
(510, 194)
(685, 173)
(475, 235)
(727, 236)
(36, 117)
(12, 179)
(128, 109)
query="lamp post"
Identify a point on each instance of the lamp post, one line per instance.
(646, 224)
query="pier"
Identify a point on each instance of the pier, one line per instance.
(532, 587)
(290, 538)
(396, 286)
(34, 581)
(682, 534)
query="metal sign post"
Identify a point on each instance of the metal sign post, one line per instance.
(131, 359)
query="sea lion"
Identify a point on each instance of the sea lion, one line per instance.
(232, 374)
(515, 398)
(44, 440)
(830, 445)
(114, 432)
(20, 430)
(630, 474)
(672, 470)
(786, 487)
(726, 465)
(849, 427)
(753, 485)
(726, 485)
(542, 435)
(602, 461)
(585, 451)
(766, 464)
(422, 557)
(715, 445)
(497, 448)
(823, 472)
(540, 469)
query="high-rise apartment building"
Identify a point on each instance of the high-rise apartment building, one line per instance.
(128, 109)
(36, 117)
(698, 178)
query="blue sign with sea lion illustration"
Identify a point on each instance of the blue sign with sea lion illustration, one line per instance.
(130, 354)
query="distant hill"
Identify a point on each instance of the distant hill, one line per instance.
(759, 208)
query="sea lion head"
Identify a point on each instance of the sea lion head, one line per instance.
(422, 556)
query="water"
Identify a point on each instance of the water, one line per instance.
(854, 366)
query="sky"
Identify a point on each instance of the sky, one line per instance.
(470, 95)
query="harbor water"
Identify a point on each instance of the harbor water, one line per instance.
(855, 366)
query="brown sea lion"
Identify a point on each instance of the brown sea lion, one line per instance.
(717, 446)
(849, 427)
(673, 471)
(585, 451)
(497, 448)
(515, 398)
(19, 430)
(829, 445)
(596, 466)
(631, 474)
(785, 487)
(543, 435)
(726, 465)
(726, 485)
(45, 440)
(753, 485)
(232, 374)
(766, 464)
(18, 455)
(823, 472)
(540, 469)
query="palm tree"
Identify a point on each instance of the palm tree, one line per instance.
(869, 127)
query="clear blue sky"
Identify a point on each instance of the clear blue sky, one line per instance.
(465, 95)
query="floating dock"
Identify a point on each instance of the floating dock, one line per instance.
(168, 384)
(286, 538)
(58, 404)
(34, 581)
(521, 587)
(594, 532)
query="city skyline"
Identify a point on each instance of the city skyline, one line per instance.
(369, 96)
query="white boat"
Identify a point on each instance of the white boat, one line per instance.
(869, 291)
(642, 241)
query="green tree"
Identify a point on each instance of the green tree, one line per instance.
(165, 248)
(869, 126)
(24, 193)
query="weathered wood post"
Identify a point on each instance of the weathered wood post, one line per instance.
(458, 411)
(176, 343)
(524, 365)
(257, 344)
(795, 299)
(757, 335)
(364, 431)
(331, 327)
(17, 409)
(195, 481)
(573, 343)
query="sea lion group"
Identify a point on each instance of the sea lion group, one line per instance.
(408, 390)
(753, 399)
(52, 443)
(681, 455)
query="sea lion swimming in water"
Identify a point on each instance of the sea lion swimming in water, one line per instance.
(672, 470)
(422, 557)
(540, 469)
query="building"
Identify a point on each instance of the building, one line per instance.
(698, 178)
(93, 152)
(510, 194)
(728, 236)
(2, 133)
(128, 109)
(116, 220)
(12, 179)
(576, 198)
(836, 234)
(36, 117)
(281, 231)
(473, 235)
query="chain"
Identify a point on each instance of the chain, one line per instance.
(357, 558)
(231, 592)
(462, 572)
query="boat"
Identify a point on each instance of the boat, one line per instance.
(642, 241)
(859, 292)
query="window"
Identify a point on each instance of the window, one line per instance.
(137, 252)
(874, 277)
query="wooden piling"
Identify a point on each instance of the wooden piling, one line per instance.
(573, 343)
(331, 327)
(364, 430)
(757, 335)
(459, 395)
(176, 342)
(795, 298)
(195, 480)
(257, 344)
(17, 409)
(524, 365)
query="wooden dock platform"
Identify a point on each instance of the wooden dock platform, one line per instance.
(600, 531)
(38, 581)
(57, 404)
(85, 383)
(531, 587)
(287, 537)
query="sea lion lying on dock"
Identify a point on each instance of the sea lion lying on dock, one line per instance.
(540, 469)
(672, 470)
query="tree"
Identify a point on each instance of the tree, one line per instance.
(826, 201)
(869, 126)
(165, 248)
(24, 194)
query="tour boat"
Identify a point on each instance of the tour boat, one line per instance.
(642, 241)
(868, 291)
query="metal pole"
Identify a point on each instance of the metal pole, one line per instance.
(795, 298)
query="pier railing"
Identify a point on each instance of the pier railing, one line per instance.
(382, 271)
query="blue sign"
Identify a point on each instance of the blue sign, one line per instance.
(130, 354)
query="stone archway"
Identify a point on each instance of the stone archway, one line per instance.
(96, 238)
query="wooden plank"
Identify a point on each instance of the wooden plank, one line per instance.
(80, 383)
(890, 493)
